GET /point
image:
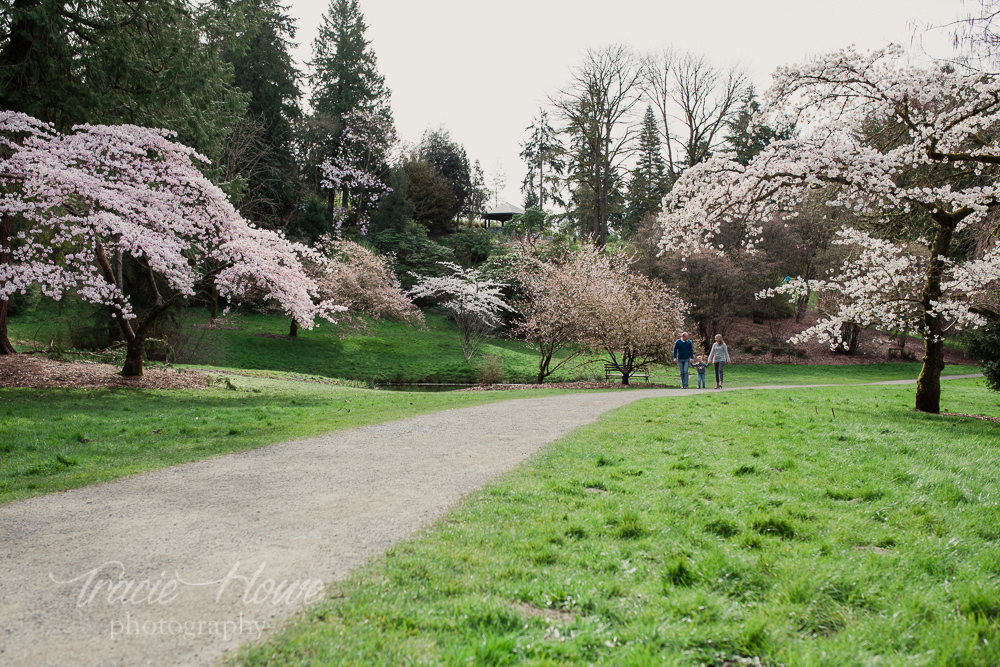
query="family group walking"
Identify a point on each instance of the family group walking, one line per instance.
(684, 354)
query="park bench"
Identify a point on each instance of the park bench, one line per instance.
(638, 371)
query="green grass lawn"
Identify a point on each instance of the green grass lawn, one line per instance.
(57, 439)
(389, 353)
(802, 527)
(397, 353)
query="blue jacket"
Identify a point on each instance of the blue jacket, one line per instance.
(683, 349)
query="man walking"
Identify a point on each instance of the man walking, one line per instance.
(683, 353)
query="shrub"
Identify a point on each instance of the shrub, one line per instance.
(984, 346)
(489, 370)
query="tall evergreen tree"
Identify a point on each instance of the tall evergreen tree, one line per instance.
(345, 74)
(648, 182)
(261, 146)
(345, 80)
(543, 153)
(748, 138)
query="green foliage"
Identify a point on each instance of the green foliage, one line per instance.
(449, 160)
(412, 251)
(984, 345)
(542, 153)
(431, 196)
(156, 64)
(648, 182)
(746, 138)
(19, 303)
(533, 222)
(395, 210)
(261, 144)
(472, 246)
(662, 557)
(345, 74)
(313, 220)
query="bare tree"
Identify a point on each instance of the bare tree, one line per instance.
(694, 100)
(657, 85)
(974, 34)
(597, 107)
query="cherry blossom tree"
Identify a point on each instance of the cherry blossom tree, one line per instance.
(550, 322)
(632, 318)
(596, 302)
(361, 281)
(473, 300)
(354, 175)
(101, 196)
(914, 151)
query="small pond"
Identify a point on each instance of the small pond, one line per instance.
(423, 387)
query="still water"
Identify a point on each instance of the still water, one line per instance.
(423, 387)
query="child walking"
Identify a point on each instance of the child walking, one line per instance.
(700, 366)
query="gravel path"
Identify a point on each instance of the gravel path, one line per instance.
(178, 566)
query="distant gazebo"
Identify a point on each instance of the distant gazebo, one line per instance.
(504, 212)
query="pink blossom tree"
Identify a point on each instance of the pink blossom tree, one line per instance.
(914, 151)
(362, 281)
(474, 301)
(94, 198)
(594, 300)
(354, 176)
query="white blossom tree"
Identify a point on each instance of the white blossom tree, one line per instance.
(915, 151)
(95, 198)
(473, 300)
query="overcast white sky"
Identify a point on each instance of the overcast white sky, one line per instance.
(482, 69)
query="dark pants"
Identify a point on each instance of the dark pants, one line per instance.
(719, 367)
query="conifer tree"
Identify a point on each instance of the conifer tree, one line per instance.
(345, 74)
(345, 81)
(542, 152)
(648, 182)
(263, 68)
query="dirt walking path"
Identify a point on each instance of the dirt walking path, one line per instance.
(179, 566)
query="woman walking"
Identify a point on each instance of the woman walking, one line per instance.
(720, 357)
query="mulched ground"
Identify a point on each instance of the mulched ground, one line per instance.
(964, 414)
(40, 372)
(873, 347)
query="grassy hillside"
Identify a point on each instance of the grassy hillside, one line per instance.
(397, 353)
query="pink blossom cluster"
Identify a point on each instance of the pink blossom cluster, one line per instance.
(361, 282)
(98, 193)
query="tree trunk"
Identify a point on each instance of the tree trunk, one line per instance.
(5, 227)
(133, 357)
(801, 304)
(293, 329)
(928, 398)
(215, 305)
(5, 346)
